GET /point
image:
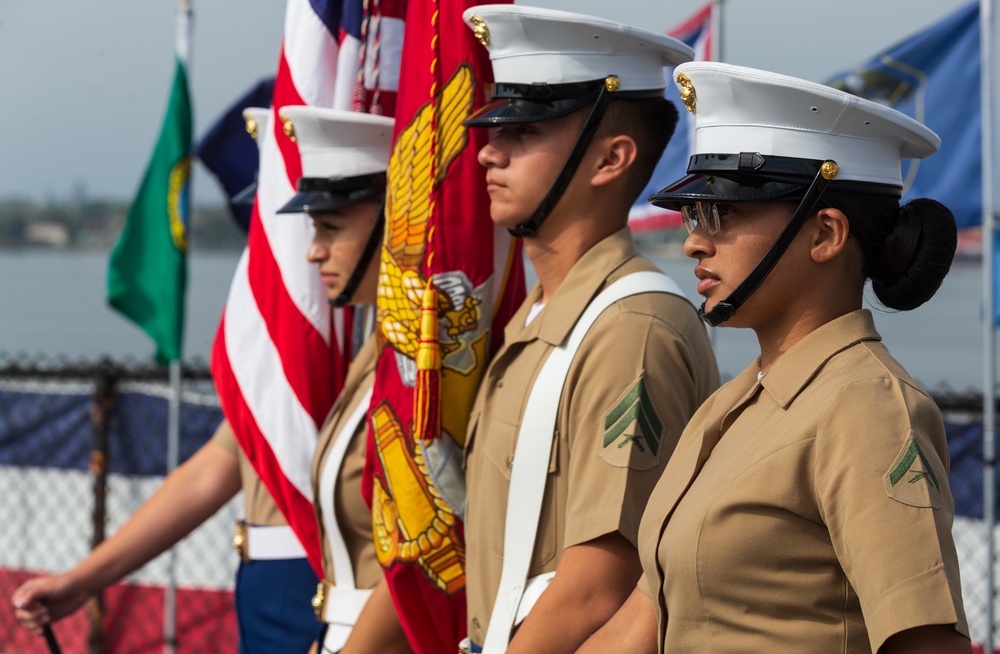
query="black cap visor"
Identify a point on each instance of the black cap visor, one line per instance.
(517, 110)
(751, 177)
(715, 188)
(533, 103)
(316, 195)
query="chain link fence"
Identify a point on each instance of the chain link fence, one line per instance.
(83, 445)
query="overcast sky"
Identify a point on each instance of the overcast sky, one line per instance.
(83, 85)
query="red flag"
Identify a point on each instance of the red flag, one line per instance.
(277, 359)
(448, 282)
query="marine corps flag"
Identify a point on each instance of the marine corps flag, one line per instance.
(448, 281)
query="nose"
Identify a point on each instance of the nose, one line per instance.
(697, 245)
(318, 252)
(491, 156)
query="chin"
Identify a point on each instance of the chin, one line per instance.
(504, 218)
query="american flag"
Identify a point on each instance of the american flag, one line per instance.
(279, 356)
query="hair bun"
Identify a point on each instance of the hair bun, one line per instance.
(916, 256)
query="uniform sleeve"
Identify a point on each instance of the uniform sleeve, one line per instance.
(635, 382)
(226, 439)
(882, 488)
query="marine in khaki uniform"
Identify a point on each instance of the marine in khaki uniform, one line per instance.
(273, 568)
(595, 129)
(806, 507)
(344, 157)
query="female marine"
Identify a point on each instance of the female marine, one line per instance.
(806, 507)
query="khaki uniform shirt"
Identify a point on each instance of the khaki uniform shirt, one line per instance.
(640, 373)
(352, 514)
(808, 511)
(259, 509)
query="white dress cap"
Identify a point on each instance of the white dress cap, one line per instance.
(529, 45)
(257, 119)
(741, 109)
(344, 156)
(338, 144)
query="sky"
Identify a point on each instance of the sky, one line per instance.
(83, 86)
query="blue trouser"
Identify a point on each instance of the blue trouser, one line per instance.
(274, 606)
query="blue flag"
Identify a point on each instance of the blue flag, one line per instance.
(228, 151)
(933, 76)
(695, 32)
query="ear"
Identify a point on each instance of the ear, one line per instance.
(617, 154)
(831, 230)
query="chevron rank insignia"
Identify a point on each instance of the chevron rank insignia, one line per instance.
(911, 478)
(632, 430)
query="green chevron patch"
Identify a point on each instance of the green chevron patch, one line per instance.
(913, 452)
(633, 420)
(911, 478)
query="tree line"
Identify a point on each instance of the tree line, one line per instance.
(95, 224)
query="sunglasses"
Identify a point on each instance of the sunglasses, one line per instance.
(705, 214)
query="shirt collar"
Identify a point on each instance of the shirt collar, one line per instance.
(570, 300)
(795, 368)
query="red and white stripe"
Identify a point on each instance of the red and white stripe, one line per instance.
(277, 358)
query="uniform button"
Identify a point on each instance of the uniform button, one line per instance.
(475, 622)
(500, 383)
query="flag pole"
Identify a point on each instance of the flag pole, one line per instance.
(717, 6)
(183, 51)
(989, 303)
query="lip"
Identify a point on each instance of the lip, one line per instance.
(707, 280)
(492, 184)
(329, 279)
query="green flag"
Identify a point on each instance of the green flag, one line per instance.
(148, 270)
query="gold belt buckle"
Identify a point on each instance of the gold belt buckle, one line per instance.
(319, 599)
(241, 540)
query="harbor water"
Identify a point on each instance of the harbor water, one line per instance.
(52, 304)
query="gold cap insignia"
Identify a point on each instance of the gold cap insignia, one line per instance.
(287, 127)
(611, 83)
(688, 96)
(479, 29)
(252, 127)
(829, 169)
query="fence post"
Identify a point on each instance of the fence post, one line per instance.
(104, 400)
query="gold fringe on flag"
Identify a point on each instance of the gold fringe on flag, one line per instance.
(427, 393)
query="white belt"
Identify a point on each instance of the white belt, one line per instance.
(532, 591)
(529, 469)
(267, 543)
(339, 608)
(343, 571)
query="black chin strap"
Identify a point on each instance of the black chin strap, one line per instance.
(726, 308)
(531, 225)
(371, 246)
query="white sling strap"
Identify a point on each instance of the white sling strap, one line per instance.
(344, 602)
(534, 447)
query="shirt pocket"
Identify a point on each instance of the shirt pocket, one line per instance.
(498, 447)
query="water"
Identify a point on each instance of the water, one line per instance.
(53, 303)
